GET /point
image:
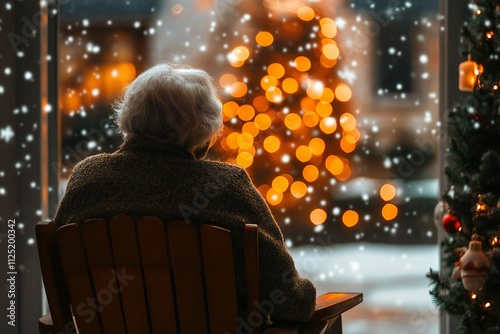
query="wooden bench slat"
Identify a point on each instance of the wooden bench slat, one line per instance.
(129, 273)
(102, 269)
(79, 283)
(157, 276)
(189, 286)
(220, 282)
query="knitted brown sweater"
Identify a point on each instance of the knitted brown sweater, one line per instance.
(149, 178)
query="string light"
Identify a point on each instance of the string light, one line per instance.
(494, 241)
(283, 115)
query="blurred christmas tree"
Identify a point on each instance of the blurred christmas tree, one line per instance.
(470, 287)
(285, 112)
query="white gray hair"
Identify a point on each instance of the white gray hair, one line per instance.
(174, 104)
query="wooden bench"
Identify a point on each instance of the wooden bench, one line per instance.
(124, 276)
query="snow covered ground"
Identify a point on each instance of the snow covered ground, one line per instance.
(391, 278)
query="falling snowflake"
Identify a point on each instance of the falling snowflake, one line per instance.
(348, 75)
(6, 133)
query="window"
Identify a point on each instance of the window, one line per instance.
(344, 152)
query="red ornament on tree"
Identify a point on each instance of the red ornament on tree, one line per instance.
(451, 223)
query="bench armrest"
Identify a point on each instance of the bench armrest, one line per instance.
(45, 325)
(328, 314)
(332, 304)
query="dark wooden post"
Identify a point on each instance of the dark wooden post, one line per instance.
(453, 14)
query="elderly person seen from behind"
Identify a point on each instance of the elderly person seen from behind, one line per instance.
(169, 117)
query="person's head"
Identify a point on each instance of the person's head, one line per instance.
(172, 104)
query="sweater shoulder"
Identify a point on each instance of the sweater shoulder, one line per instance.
(94, 167)
(234, 174)
(93, 160)
(222, 166)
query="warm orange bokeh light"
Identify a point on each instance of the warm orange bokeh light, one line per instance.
(234, 62)
(330, 51)
(227, 80)
(305, 13)
(264, 38)
(274, 94)
(268, 81)
(244, 159)
(232, 140)
(350, 218)
(272, 144)
(230, 109)
(125, 72)
(346, 145)
(328, 125)
(71, 101)
(346, 172)
(276, 70)
(308, 104)
(348, 121)
(315, 89)
(280, 183)
(250, 150)
(328, 27)
(262, 121)
(327, 63)
(310, 173)
(246, 112)
(324, 109)
(274, 197)
(387, 192)
(328, 95)
(310, 119)
(290, 85)
(317, 146)
(343, 93)
(302, 63)
(250, 128)
(238, 89)
(244, 140)
(106, 83)
(389, 211)
(334, 164)
(240, 53)
(293, 121)
(303, 153)
(298, 189)
(261, 103)
(352, 136)
(318, 216)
